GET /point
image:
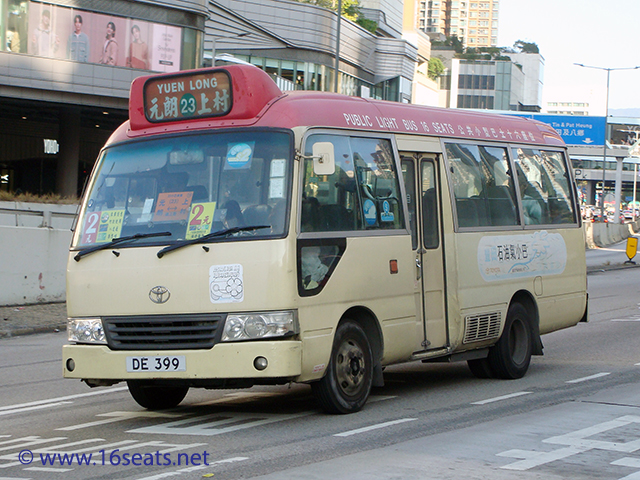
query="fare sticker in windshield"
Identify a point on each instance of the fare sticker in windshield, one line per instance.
(172, 207)
(101, 227)
(193, 95)
(200, 220)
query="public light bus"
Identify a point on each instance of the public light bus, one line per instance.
(234, 235)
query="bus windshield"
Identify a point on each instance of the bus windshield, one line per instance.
(189, 186)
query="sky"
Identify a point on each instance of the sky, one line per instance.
(600, 33)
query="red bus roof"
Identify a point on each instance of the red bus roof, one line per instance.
(243, 95)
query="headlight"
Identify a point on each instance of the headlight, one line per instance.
(85, 330)
(252, 326)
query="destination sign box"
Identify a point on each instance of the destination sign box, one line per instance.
(192, 95)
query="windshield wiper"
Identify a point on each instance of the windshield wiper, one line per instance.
(219, 233)
(118, 241)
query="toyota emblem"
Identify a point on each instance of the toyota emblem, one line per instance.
(159, 294)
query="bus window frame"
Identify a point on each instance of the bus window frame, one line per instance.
(509, 146)
(352, 233)
(289, 182)
(572, 190)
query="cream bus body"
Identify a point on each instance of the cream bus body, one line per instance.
(407, 277)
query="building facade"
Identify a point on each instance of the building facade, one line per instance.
(66, 67)
(297, 41)
(65, 72)
(475, 23)
(514, 85)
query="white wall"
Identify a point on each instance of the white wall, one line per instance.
(33, 256)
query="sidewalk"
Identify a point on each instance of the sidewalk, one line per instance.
(52, 317)
(40, 318)
(610, 258)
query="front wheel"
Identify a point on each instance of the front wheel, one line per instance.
(510, 357)
(347, 382)
(154, 397)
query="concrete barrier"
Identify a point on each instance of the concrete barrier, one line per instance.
(602, 234)
(27, 214)
(35, 241)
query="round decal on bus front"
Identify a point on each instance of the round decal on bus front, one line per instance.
(226, 283)
(239, 155)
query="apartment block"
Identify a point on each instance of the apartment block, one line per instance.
(475, 23)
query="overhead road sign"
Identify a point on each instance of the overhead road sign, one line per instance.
(574, 129)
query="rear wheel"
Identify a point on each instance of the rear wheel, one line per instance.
(510, 357)
(156, 397)
(347, 382)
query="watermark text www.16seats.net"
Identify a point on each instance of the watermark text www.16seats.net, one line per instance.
(115, 458)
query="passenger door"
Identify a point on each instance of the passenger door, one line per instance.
(420, 175)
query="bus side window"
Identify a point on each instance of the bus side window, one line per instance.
(483, 185)
(501, 195)
(561, 204)
(362, 193)
(545, 186)
(429, 206)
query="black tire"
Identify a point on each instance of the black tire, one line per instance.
(480, 368)
(511, 356)
(347, 382)
(155, 397)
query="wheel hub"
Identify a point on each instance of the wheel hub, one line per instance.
(350, 367)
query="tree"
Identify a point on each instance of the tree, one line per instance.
(350, 11)
(436, 67)
(526, 47)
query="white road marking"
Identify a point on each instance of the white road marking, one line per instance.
(176, 473)
(374, 427)
(27, 442)
(503, 397)
(590, 377)
(628, 462)
(534, 459)
(35, 407)
(48, 469)
(16, 408)
(633, 319)
(120, 416)
(576, 442)
(217, 423)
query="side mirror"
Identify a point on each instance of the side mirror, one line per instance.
(324, 160)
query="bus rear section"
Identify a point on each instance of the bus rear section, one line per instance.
(232, 235)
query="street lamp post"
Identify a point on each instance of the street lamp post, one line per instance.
(337, 66)
(606, 116)
(213, 39)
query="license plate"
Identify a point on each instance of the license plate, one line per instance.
(159, 363)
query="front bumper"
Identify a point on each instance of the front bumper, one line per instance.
(223, 361)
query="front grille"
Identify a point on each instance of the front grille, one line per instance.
(481, 327)
(166, 332)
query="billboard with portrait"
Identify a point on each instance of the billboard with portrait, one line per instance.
(83, 36)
